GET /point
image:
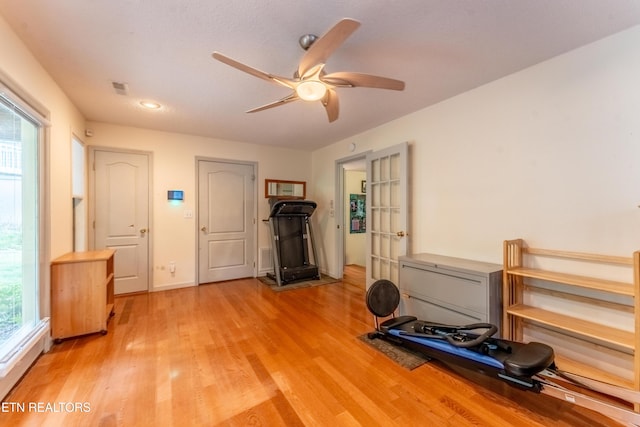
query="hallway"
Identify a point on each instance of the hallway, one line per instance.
(355, 275)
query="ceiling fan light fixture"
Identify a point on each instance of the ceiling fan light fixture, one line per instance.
(310, 81)
(311, 90)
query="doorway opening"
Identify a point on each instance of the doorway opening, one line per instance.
(386, 214)
(350, 212)
(78, 193)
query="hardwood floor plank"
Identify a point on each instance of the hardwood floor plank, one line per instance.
(354, 274)
(362, 406)
(236, 353)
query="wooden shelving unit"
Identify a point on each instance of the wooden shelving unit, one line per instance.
(519, 278)
(82, 294)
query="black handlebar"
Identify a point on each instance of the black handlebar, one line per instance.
(453, 334)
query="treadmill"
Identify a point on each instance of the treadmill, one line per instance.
(291, 236)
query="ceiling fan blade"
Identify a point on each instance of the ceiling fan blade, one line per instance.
(322, 48)
(253, 71)
(285, 100)
(345, 78)
(331, 104)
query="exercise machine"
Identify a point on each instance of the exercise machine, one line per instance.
(291, 237)
(529, 366)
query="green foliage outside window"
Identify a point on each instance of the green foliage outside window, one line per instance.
(10, 281)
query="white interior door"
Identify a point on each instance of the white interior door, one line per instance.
(226, 214)
(387, 178)
(121, 217)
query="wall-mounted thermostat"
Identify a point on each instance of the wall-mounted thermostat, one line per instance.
(175, 195)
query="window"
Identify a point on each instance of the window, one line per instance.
(20, 229)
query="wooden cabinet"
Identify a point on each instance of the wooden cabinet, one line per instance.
(450, 290)
(536, 295)
(81, 293)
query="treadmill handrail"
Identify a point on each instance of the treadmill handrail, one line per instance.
(292, 208)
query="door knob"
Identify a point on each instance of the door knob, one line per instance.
(143, 230)
(204, 229)
(400, 234)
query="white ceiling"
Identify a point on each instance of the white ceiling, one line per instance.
(162, 50)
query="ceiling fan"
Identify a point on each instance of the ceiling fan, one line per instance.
(310, 81)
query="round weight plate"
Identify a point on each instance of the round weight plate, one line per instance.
(383, 298)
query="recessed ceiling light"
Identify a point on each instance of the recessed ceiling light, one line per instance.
(150, 105)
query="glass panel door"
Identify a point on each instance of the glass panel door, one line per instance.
(387, 208)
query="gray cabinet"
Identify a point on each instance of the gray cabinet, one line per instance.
(450, 290)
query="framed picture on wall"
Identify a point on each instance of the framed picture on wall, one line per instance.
(363, 186)
(357, 213)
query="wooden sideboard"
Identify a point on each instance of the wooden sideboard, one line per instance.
(81, 293)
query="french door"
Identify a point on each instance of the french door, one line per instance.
(387, 175)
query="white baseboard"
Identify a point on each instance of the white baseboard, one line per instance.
(170, 286)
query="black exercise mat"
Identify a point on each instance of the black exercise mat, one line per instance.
(323, 280)
(402, 356)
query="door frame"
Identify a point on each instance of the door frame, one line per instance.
(339, 209)
(196, 225)
(92, 202)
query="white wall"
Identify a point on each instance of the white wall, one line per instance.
(549, 154)
(173, 161)
(174, 167)
(19, 64)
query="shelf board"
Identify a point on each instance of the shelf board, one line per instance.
(569, 365)
(87, 256)
(109, 278)
(606, 259)
(579, 326)
(604, 285)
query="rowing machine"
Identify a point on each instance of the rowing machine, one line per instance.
(529, 366)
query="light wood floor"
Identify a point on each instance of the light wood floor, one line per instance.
(236, 353)
(354, 275)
